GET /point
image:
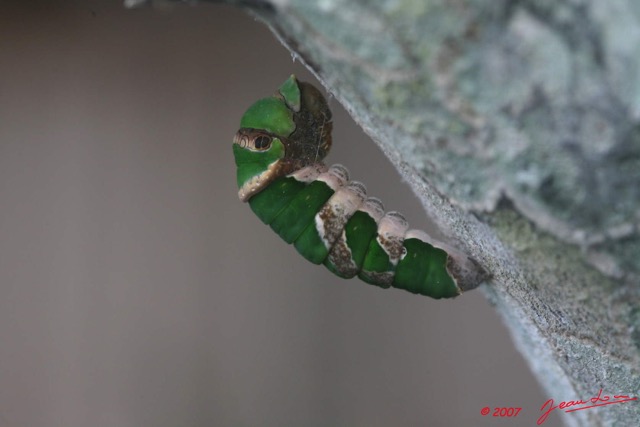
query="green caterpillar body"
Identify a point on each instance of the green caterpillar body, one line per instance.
(329, 219)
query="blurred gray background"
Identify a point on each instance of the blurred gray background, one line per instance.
(135, 288)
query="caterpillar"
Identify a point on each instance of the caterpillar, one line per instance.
(329, 219)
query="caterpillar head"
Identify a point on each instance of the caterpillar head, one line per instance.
(281, 134)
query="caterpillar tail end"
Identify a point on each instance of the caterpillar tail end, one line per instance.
(466, 271)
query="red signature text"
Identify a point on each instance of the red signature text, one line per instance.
(578, 405)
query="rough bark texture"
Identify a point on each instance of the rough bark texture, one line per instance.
(517, 125)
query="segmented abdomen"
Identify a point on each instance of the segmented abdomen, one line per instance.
(331, 221)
